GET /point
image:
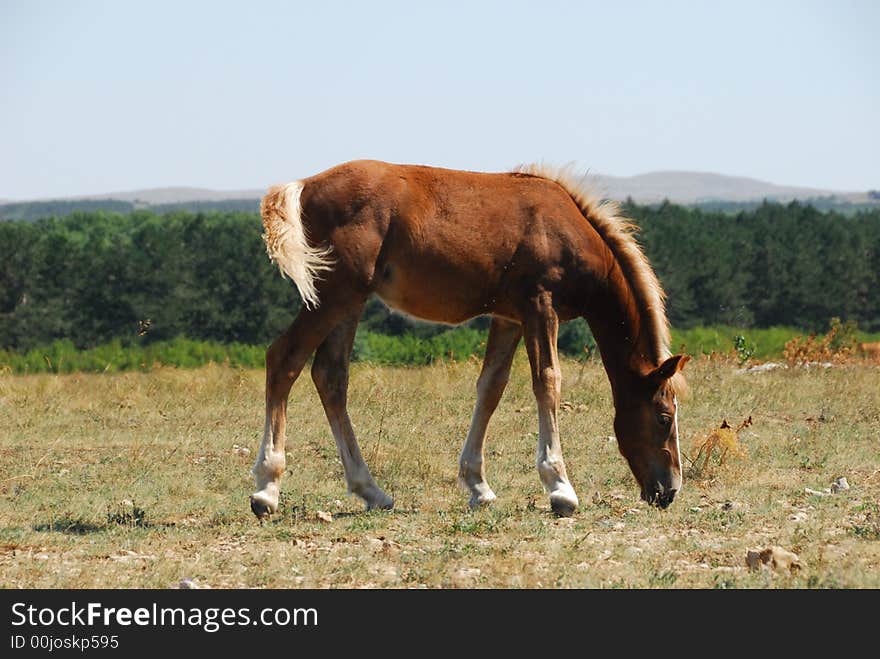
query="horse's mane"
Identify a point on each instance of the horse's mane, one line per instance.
(618, 233)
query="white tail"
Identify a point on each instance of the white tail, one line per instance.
(287, 243)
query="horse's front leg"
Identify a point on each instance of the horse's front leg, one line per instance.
(285, 359)
(330, 373)
(541, 327)
(504, 336)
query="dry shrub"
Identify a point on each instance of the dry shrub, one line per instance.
(838, 345)
(870, 351)
(716, 449)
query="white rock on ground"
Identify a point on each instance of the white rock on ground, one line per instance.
(840, 484)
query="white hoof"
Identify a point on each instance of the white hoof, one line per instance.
(482, 497)
(264, 504)
(563, 501)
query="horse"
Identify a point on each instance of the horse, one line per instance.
(530, 248)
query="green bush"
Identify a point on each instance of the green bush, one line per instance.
(63, 357)
(454, 344)
(576, 340)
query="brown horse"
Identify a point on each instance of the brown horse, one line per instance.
(530, 248)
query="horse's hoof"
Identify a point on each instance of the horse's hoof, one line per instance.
(563, 504)
(382, 502)
(484, 500)
(261, 508)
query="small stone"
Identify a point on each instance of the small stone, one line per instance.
(817, 493)
(324, 516)
(774, 557)
(695, 509)
(188, 584)
(799, 516)
(466, 577)
(840, 484)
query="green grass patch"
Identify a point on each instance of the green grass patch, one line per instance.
(452, 345)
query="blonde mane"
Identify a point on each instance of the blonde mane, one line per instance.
(618, 233)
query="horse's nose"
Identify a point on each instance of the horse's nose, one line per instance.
(665, 497)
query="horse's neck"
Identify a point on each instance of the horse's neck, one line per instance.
(622, 345)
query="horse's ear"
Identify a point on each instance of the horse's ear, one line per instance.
(668, 368)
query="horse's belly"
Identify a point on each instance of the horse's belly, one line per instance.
(437, 296)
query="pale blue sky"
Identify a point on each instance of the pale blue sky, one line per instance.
(106, 96)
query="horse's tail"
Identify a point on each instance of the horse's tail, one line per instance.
(287, 242)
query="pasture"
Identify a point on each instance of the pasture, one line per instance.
(141, 479)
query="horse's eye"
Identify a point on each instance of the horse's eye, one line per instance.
(665, 420)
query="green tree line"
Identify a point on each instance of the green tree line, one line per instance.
(94, 277)
(775, 265)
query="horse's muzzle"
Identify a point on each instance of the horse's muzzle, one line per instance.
(661, 497)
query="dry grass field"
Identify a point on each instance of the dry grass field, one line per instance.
(142, 480)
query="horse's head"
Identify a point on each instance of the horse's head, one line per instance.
(646, 425)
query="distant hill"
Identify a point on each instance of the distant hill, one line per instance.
(161, 196)
(32, 210)
(715, 191)
(699, 187)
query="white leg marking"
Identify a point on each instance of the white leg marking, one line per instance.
(551, 466)
(471, 472)
(267, 470)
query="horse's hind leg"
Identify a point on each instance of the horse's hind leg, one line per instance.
(330, 374)
(504, 336)
(541, 326)
(285, 359)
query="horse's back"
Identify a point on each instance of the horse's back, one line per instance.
(446, 245)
